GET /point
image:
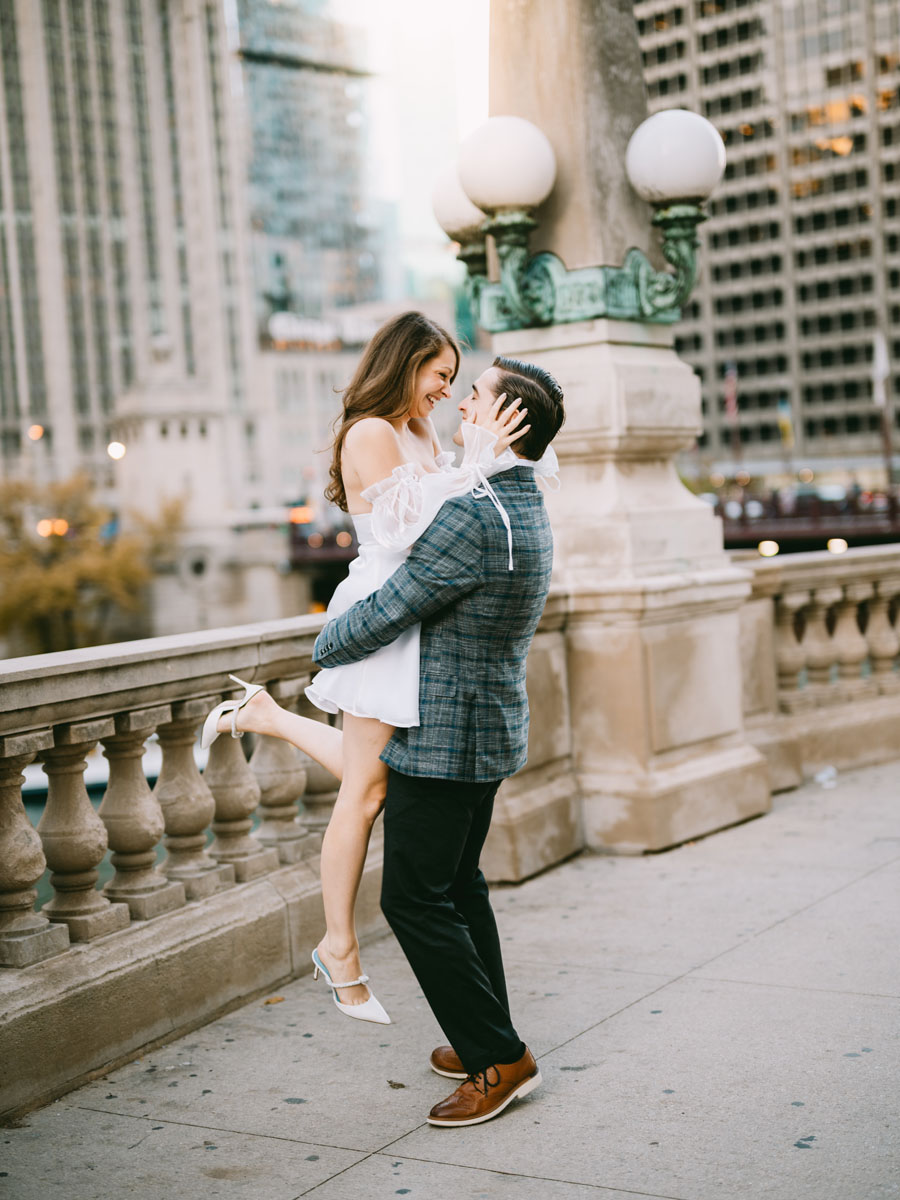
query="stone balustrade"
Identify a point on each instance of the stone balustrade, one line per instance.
(820, 654)
(57, 707)
(204, 908)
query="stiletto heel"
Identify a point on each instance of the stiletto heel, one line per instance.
(209, 732)
(369, 1010)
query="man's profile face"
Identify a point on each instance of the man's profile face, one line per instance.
(477, 405)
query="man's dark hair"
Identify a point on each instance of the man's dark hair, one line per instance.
(540, 394)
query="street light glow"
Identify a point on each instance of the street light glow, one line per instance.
(52, 527)
(115, 450)
(768, 549)
(35, 432)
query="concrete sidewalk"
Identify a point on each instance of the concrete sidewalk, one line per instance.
(718, 1022)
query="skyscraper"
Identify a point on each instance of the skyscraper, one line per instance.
(314, 236)
(123, 239)
(801, 255)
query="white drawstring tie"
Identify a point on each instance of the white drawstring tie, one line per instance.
(485, 489)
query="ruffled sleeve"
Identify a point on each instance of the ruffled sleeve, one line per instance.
(405, 504)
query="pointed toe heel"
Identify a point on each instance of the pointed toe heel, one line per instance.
(209, 733)
(369, 1010)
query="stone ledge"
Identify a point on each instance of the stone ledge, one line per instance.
(82, 1012)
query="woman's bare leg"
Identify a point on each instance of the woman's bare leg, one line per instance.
(353, 757)
(320, 741)
(359, 801)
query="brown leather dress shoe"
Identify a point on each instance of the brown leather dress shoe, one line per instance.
(445, 1061)
(486, 1094)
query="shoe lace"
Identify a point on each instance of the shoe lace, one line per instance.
(481, 1081)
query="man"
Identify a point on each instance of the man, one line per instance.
(478, 619)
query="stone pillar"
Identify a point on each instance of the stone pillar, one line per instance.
(790, 651)
(187, 804)
(134, 820)
(882, 637)
(236, 794)
(653, 633)
(280, 771)
(852, 647)
(74, 837)
(575, 71)
(26, 937)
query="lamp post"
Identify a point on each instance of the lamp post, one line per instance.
(651, 644)
(507, 168)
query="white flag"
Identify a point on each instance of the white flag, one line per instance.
(881, 368)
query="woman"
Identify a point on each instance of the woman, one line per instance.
(389, 473)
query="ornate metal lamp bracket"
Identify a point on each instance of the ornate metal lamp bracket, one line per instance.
(540, 290)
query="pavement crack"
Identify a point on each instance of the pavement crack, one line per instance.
(272, 1137)
(599, 1187)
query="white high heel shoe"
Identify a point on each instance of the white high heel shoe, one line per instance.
(209, 732)
(369, 1010)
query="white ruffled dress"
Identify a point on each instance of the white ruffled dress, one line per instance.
(385, 684)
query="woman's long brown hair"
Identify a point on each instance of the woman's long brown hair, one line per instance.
(384, 381)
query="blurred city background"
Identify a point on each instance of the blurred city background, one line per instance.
(209, 205)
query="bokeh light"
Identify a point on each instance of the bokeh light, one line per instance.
(115, 450)
(35, 432)
(836, 545)
(768, 549)
(344, 538)
(806, 475)
(315, 540)
(300, 514)
(44, 528)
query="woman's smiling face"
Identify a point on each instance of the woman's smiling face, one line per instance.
(432, 382)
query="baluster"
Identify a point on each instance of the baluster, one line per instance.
(790, 652)
(187, 804)
(852, 648)
(321, 786)
(821, 650)
(281, 774)
(134, 820)
(236, 794)
(74, 837)
(26, 937)
(882, 638)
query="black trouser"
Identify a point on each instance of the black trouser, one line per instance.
(436, 901)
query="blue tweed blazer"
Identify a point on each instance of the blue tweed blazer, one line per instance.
(478, 619)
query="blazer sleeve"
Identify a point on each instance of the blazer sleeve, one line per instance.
(444, 565)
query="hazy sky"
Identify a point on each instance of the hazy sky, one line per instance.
(431, 57)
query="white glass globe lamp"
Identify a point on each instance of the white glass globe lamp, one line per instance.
(675, 155)
(459, 218)
(507, 164)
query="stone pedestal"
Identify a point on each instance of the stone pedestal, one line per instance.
(652, 632)
(280, 771)
(134, 820)
(187, 805)
(26, 937)
(74, 838)
(237, 794)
